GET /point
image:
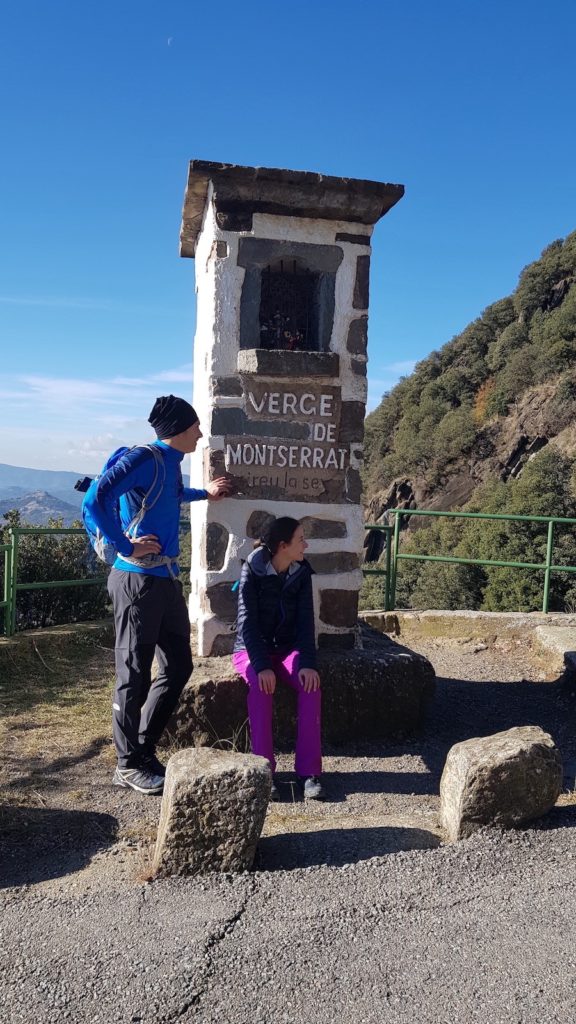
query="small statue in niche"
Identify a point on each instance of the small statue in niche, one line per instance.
(279, 333)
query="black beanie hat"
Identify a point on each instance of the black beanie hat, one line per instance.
(171, 416)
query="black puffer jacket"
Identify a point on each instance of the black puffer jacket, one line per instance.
(275, 613)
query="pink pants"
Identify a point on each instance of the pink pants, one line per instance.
(308, 759)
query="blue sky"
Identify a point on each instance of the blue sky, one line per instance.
(469, 105)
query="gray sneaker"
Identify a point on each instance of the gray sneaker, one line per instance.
(312, 787)
(151, 764)
(139, 779)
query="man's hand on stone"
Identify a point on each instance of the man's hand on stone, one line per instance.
(221, 487)
(267, 681)
(309, 679)
(147, 545)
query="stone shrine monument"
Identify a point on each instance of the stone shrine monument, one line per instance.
(282, 271)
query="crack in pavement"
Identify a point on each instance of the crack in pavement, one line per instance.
(212, 943)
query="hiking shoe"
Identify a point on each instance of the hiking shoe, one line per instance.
(139, 779)
(312, 787)
(150, 763)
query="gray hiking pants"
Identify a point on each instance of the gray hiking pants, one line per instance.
(150, 617)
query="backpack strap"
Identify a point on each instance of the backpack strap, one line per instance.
(159, 469)
(150, 561)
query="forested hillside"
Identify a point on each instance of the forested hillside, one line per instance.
(487, 424)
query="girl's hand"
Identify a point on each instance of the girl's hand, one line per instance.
(267, 681)
(309, 679)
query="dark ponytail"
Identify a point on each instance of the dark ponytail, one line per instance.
(279, 531)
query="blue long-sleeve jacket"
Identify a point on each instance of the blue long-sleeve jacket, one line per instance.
(127, 481)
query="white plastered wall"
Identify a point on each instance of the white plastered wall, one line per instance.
(219, 282)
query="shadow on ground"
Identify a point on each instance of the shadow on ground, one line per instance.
(38, 843)
(336, 847)
(338, 786)
(35, 772)
(463, 709)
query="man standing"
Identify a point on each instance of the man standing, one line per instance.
(150, 613)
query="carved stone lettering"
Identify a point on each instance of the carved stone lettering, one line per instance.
(276, 468)
(310, 403)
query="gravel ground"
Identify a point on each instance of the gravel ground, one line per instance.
(355, 911)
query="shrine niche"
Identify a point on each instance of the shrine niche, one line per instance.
(288, 310)
(288, 294)
(282, 273)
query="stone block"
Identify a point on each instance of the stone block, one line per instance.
(344, 236)
(352, 421)
(223, 644)
(353, 486)
(288, 364)
(324, 529)
(336, 641)
(260, 252)
(359, 367)
(257, 523)
(212, 812)
(223, 601)
(339, 607)
(357, 340)
(216, 546)
(230, 387)
(361, 285)
(235, 421)
(504, 779)
(368, 695)
(334, 561)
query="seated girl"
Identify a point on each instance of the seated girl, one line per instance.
(275, 642)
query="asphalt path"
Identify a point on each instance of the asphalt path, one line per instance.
(482, 931)
(479, 932)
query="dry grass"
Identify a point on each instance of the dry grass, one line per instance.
(55, 706)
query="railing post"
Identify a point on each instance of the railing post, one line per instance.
(388, 565)
(547, 571)
(11, 620)
(394, 566)
(7, 590)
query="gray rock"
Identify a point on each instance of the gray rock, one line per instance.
(339, 607)
(216, 546)
(323, 528)
(333, 561)
(288, 364)
(361, 298)
(504, 779)
(357, 340)
(212, 812)
(367, 695)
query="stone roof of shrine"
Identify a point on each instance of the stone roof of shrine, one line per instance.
(239, 192)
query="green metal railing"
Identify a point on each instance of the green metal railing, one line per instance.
(11, 586)
(394, 555)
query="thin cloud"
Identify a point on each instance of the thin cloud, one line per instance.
(79, 405)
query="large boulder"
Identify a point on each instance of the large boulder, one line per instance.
(369, 694)
(504, 779)
(212, 812)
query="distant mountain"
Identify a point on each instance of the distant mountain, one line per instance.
(38, 507)
(19, 486)
(16, 481)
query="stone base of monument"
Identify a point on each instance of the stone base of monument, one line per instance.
(212, 813)
(374, 692)
(505, 779)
